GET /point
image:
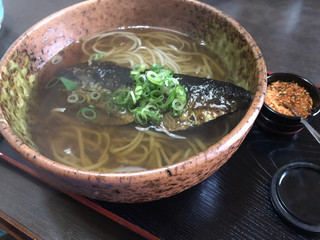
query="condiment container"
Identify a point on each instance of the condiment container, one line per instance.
(276, 122)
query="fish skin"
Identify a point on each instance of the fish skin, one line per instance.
(107, 74)
(207, 99)
(101, 75)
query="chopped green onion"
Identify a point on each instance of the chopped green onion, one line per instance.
(146, 92)
(133, 73)
(96, 57)
(87, 114)
(76, 98)
(95, 95)
(110, 107)
(154, 78)
(123, 110)
(133, 97)
(81, 97)
(143, 116)
(56, 59)
(139, 67)
(73, 98)
(107, 97)
(155, 92)
(174, 113)
(138, 90)
(140, 79)
(169, 100)
(180, 91)
(157, 68)
(52, 83)
(69, 84)
(156, 96)
(121, 96)
(177, 105)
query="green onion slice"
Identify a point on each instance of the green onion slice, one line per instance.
(96, 57)
(73, 98)
(156, 96)
(87, 114)
(95, 95)
(81, 97)
(177, 105)
(154, 78)
(169, 100)
(56, 59)
(121, 96)
(155, 92)
(69, 84)
(52, 83)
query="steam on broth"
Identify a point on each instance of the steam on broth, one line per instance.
(59, 135)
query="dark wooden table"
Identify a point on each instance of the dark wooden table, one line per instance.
(233, 203)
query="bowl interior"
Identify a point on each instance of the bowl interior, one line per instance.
(38, 45)
(205, 24)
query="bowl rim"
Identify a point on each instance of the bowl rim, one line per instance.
(242, 128)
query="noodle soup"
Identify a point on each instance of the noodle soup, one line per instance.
(61, 136)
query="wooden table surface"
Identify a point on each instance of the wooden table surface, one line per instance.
(287, 33)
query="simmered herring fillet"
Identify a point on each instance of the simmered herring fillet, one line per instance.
(207, 99)
(107, 75)
(105, 78)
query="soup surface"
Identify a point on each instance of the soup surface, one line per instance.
(60, 135)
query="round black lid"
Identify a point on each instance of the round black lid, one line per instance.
(295, 194)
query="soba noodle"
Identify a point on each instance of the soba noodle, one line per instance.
(110, 149)
(165, 48)
(114, 148)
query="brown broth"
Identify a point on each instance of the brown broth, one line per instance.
(59, 135)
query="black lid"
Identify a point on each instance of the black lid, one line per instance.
(295, 194)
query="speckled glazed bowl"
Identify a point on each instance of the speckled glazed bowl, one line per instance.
(35, 47)
(281, 124)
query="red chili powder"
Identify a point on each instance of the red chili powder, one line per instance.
(282, 95)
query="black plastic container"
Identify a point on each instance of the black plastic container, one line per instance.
(276, 122)
(295, 194)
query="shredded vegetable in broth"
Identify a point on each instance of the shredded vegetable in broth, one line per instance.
(70, 136)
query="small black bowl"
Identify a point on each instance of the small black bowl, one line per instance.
(276, 122)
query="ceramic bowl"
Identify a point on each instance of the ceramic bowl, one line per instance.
(282, 124)
(40, 43)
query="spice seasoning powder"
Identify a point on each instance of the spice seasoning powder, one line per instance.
(282, 95)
